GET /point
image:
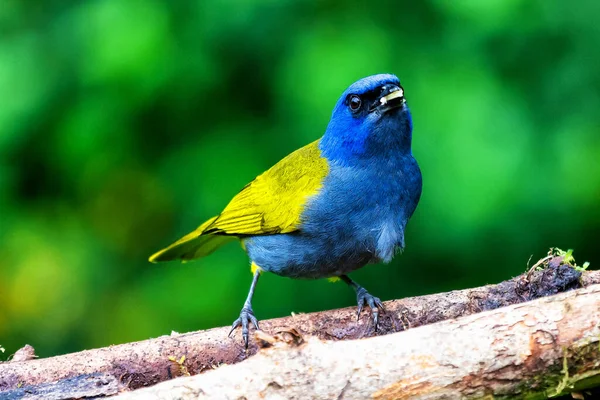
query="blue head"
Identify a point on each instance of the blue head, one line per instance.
(370, 118)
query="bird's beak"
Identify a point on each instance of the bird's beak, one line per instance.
(391, 97)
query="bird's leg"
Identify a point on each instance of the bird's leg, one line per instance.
(247, 315)
(363, 297)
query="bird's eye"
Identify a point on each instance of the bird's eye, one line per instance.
(355, 102)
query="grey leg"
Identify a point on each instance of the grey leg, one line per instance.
(247, 314)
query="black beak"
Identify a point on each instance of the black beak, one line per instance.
(391, 96)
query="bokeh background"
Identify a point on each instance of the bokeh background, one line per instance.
(125, 124)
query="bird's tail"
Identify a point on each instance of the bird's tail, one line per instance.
(195, 244)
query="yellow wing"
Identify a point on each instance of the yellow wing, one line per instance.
(272, 203)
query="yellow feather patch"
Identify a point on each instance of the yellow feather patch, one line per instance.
(193, 245)
(274, 201)
(254, 268)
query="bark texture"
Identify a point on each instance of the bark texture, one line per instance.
(534, 350)
(139, 364)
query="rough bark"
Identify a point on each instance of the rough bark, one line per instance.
(145, 363)
(533, 350)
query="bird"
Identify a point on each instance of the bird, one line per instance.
(328, 208)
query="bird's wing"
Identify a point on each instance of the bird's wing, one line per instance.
(191, 246)
(274, 201)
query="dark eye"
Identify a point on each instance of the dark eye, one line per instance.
(355, 102)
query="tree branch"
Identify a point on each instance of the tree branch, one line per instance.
(134, 365)
(533, 350)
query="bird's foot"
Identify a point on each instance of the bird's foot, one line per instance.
(365, 298)
(246, 316)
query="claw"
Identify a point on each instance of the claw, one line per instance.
(254, 321)
(235, 324)
(245, 315)
(363, 297)
(360, 307)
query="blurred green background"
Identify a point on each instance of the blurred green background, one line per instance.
(125, 124)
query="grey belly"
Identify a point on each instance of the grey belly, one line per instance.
(297, 255)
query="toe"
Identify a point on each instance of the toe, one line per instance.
(254, 321)
(235, 324)
(359, 310)
(375, 305)
(245, 329)
(374, 302)
(361, 299)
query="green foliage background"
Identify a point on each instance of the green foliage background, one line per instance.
(124, 124)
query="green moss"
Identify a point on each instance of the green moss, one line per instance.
(560, 379)
(568, 258)
(564, 382)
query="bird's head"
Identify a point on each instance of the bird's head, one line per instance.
(371, 117)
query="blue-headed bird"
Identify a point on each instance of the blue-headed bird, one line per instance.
(330, 207)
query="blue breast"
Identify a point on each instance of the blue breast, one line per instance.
(359, 217)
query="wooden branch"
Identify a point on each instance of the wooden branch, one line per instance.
(531, 350)
(135, 365)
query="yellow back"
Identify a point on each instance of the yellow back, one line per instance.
(270, 204)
